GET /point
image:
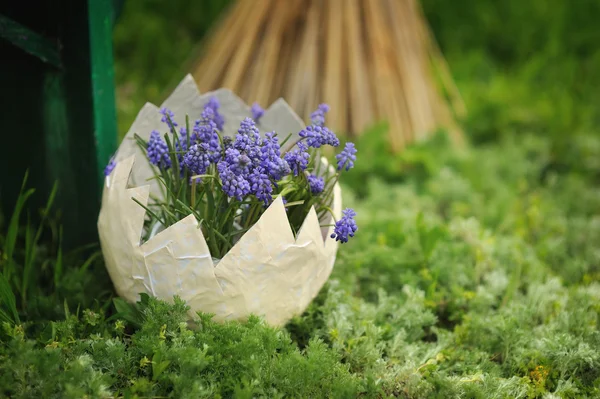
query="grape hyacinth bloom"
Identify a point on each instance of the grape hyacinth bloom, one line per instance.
(237, 161)
(168, 114)
(316, 184)
(181, 147)
(317, 136)
(205, 131)
(345, 227)
(271, 159)
(248, 141)
(197, 159)
(257, 112)
(158, 151)
(346, 158)
(213, 105)
(298, 158)
(110, 167)
(261, 186)
(317, 118)
(235, 186)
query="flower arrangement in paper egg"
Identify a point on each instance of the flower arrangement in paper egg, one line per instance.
(230, 207)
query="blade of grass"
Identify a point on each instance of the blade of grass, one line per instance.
(154, 215)
(13, 229)
(8, 300)
(58, 267)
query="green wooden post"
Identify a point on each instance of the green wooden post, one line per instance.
(57, 107)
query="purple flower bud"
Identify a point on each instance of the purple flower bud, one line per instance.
(317, 136)
(197, 159)
(316, 184)
(271, 159)
(205, 131)
(346, 226)
(168, 115)
(346, 158)
(261, 185)
(235, 186)
(110, 167)
(298, 158)
(248, 141)
(257, 112)
(158, 151)
(211, 111)
(317, 118)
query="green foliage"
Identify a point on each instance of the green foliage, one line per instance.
(477, 279)
(522, 66)
(38, 281)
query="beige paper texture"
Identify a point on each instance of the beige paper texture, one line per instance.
(267, 272)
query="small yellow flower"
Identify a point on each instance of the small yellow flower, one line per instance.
(119, 325)
(53, 345)
(144, 362)
(539, 375)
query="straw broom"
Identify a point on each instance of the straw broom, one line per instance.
(370, 60)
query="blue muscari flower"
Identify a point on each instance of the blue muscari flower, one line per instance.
(110, 166)
(248, 140)
(158, 151)
(345, 227)
(237, 161)
(167, 112)
(205, 131)
(183, 135)
(317, 136)
(212, 108)
(317, 118)
(271, 159)
(197, 159)
(298, 158)
(261, 185)
(248, 135)
(257, 112)
(316, 184)
(235, 186)
(347, 157)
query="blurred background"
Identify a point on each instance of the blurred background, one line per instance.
(518, 66)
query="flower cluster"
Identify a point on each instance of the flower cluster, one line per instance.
(227, 182)
(345, 227)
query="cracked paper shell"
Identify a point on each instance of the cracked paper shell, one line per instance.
(268, 272)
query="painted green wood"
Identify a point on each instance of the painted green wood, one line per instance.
(101, 19)
(29, 41)
(58, 122)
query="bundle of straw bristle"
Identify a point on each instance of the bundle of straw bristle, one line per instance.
(370, 60)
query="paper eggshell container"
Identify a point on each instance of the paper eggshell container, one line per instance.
(268, 272)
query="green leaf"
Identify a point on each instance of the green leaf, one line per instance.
(13, 229)
(158, 365)
(8, 301)
(58, 267)
(428, 238)
(128, 312)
